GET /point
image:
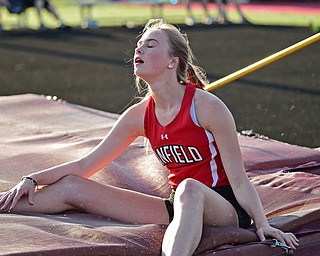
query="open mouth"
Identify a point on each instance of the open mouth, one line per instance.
(138, 61)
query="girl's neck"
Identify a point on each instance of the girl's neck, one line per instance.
(167, 95)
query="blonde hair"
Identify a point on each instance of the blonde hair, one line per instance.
(187, 71)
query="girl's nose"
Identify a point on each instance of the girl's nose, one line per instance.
(138, 50)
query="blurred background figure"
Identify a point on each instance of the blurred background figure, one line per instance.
(19, 6)
(40, 5)
(222, 16)
(208, 19)
(6, 4)
(190, 20)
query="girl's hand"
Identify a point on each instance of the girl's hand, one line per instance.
(10, 198)
(286, 238)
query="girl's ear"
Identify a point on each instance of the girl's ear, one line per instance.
(174, 62)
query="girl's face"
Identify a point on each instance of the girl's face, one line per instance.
(151, 57)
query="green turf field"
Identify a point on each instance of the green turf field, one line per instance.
(115, 15)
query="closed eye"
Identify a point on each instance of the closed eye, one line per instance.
(150, 43)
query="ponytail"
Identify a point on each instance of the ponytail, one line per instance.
(196, 75)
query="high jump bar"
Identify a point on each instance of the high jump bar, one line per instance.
(261, 63)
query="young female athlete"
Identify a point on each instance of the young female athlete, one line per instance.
(190, 130)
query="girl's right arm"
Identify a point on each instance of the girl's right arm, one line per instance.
(126, 129)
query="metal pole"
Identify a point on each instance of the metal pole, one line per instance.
(263, 62)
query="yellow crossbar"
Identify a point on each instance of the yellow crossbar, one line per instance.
(263, 62)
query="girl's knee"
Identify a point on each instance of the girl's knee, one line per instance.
(189, 189)
(68, 180)
(69, 184)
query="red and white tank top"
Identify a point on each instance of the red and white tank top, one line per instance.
(183, 146)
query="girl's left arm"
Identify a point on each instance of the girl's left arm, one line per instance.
(219, 121)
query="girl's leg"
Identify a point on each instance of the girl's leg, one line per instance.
(221, 12)
(188, 6)
(205, 7)
(189, 20)
(243, 18)
(207, 19)
(39, 5)
(53, 11)
(195, 205)
(73, 192)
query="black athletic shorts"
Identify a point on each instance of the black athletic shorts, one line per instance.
(227, 193)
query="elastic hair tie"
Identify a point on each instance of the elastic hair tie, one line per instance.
(35, 184)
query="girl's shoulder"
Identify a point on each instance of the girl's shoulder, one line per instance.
(140, 106)
(210, 109)
(205, 99)
(134, 116)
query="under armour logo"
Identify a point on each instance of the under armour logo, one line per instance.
(164, 136)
